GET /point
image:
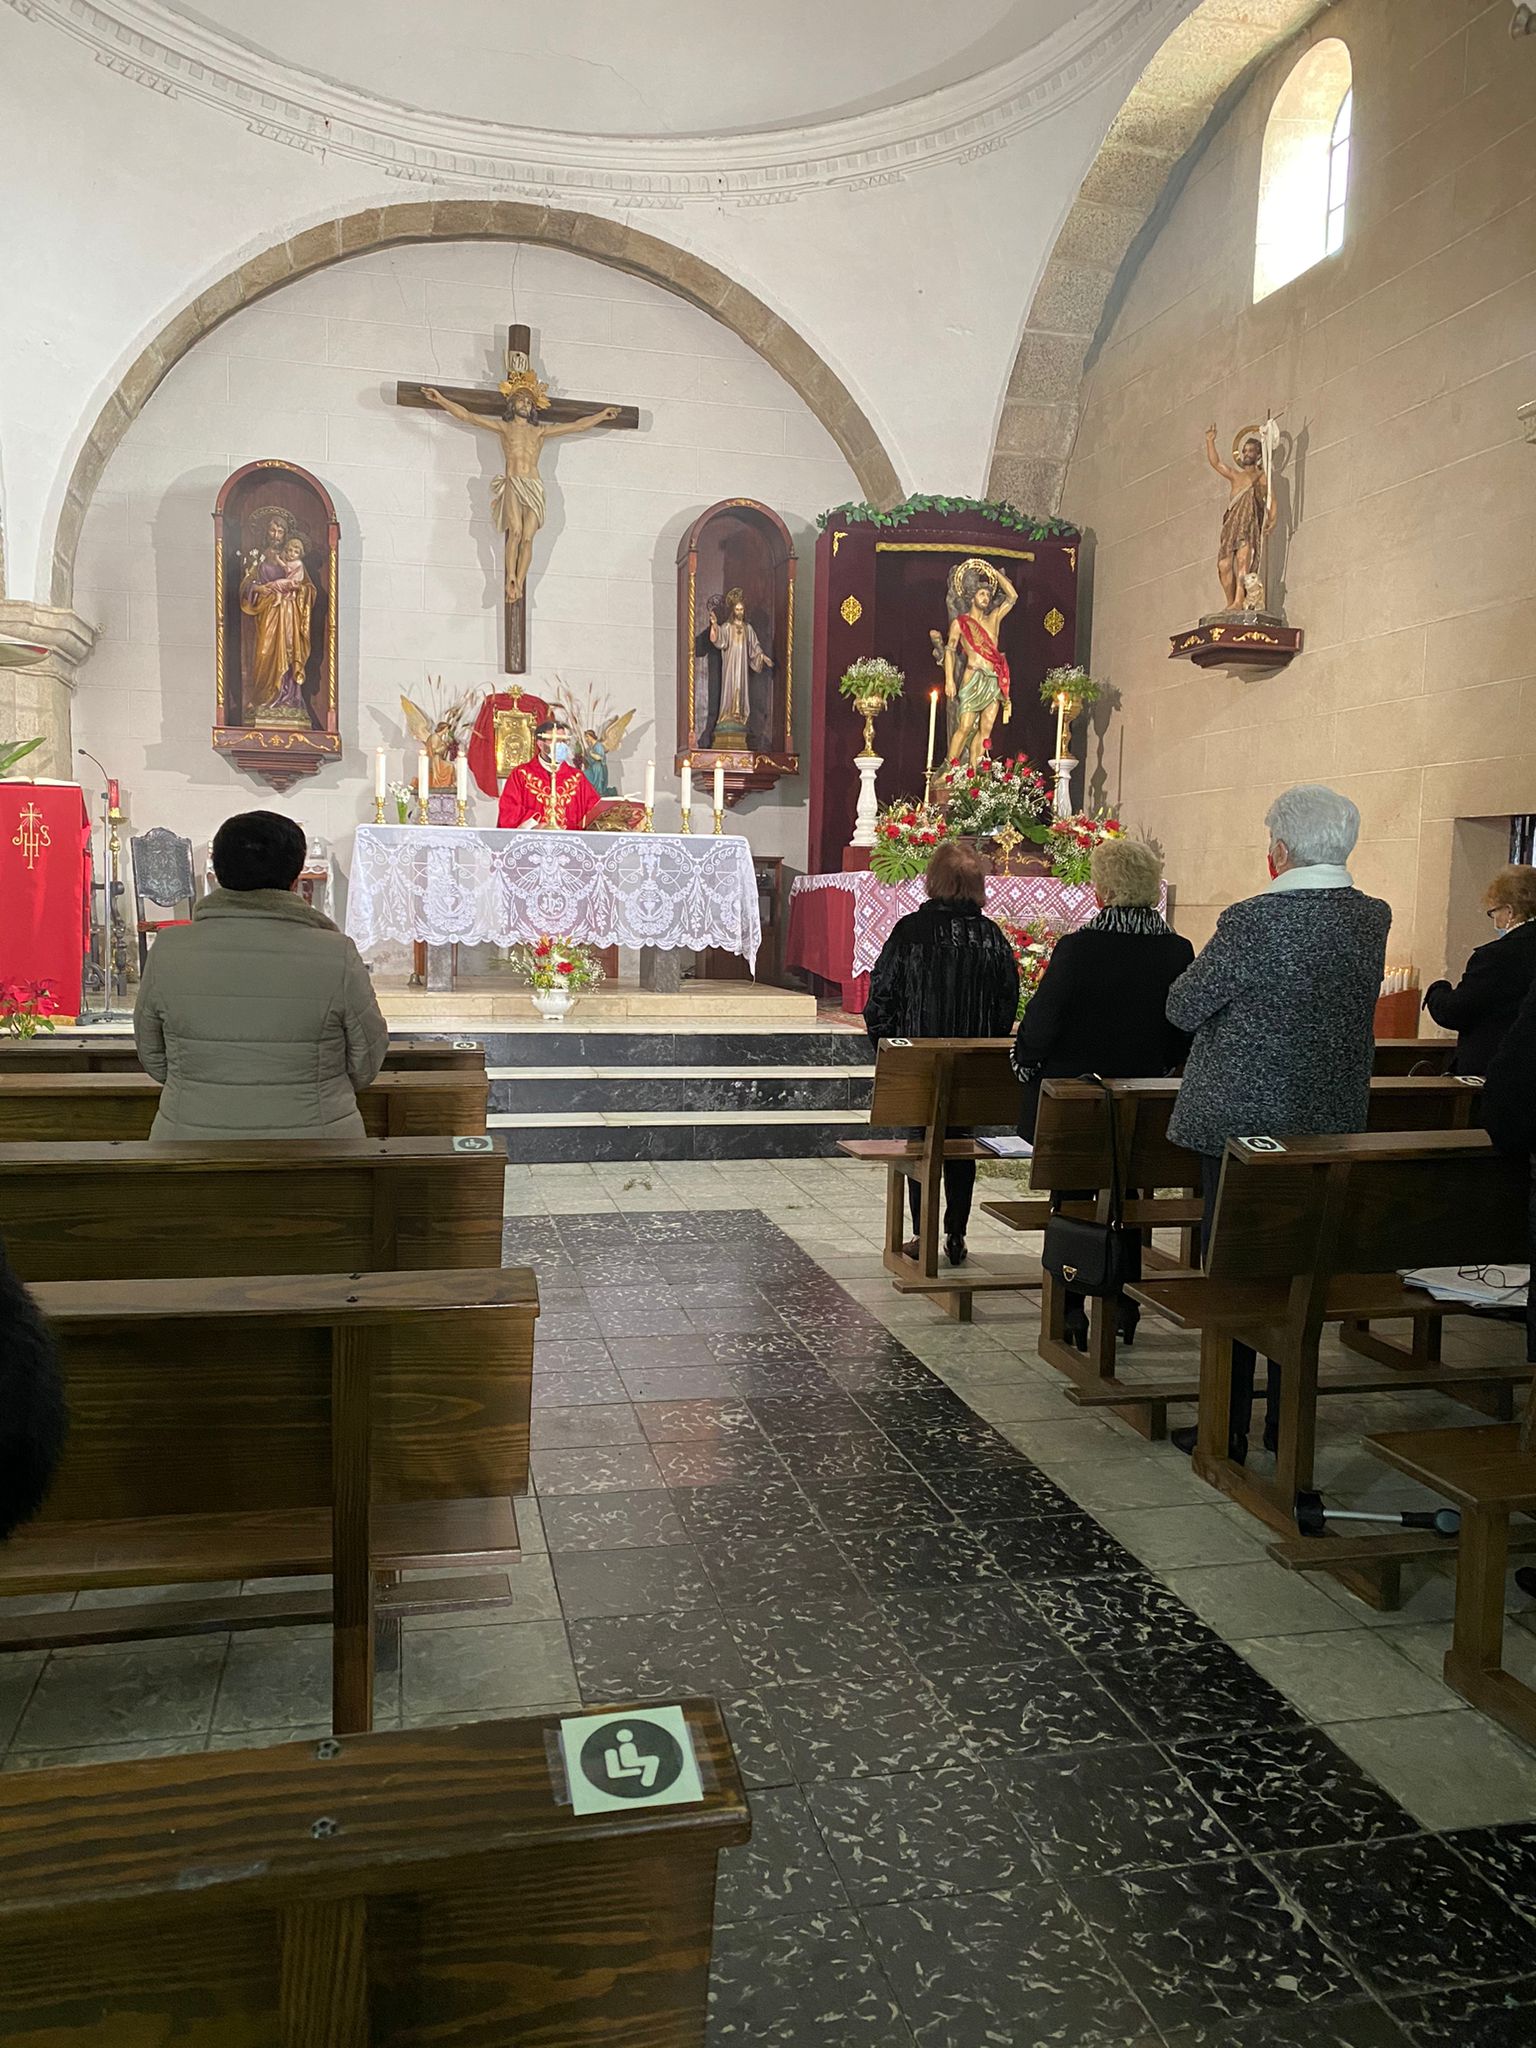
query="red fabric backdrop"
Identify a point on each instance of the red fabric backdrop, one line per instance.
(45, 870)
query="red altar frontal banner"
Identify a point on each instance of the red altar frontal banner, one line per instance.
(45, 891)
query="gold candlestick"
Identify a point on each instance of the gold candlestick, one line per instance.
(461, 805)
(719, 823)
(687, 823)
(647, 819)
(378, 810)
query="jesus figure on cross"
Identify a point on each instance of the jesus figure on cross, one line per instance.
(517, 496)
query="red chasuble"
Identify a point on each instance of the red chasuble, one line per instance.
(526, 795)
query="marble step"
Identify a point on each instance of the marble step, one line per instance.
(677, 1089)
(567, 1045)
(586, 1136)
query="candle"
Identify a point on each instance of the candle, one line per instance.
(461, 778)
(650, 785)
(1061, 707)
(719, 786)
(380, 773)
(933, 714)
(423, 777)
(688, 785)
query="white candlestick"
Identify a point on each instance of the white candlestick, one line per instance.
(688, 785)
(461, 778)
(423, 777)
(719, 786)
(380, 773)
(650, 785)
(933, 714)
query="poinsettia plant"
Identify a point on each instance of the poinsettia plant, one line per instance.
(998, 793)
(1033, 942)
(1071, 842)
(556, 963)
(906, 839)
(21, 1008)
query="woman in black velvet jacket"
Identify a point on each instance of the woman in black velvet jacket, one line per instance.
(946, 971)
(1481, 1007)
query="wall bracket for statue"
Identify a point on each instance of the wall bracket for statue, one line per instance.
(275, 539)
(1247, 634)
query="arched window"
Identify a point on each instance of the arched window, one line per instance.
(1304, 173)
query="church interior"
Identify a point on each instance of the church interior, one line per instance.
(627, 1379)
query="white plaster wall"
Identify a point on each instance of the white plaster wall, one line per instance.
(309, 374)
(119, 204)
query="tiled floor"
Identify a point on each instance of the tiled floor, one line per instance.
(1042, 1748)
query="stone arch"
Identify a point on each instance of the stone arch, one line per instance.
(613, 242)
(1188, 86)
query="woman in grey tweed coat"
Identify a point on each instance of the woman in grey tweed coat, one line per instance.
(1281, 1004)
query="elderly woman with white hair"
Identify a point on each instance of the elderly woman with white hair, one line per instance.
(1101, 1006)
(1281, 1005)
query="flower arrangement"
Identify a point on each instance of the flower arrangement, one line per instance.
(1071, 842)
(403, 797)
(906, 838)
(874, 678)
(996, 509)
(998, 793)
(1074, 684)
(21, 1009)
(556, 964)
(1033, 943)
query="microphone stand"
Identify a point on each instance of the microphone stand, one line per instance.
(111, 849)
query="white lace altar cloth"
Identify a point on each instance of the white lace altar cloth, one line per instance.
(463, 886)
(877, 905)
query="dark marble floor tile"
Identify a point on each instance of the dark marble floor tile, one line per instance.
(827, 1459)
(721, 1318)
(1001, 1494)
(757, 1347)
(1493, 2016)
(896, 1501)
(678, 1422)
(798, 1379)
(961, 1627)
(726, 1520)
(889, 1561)
(1356, 2025)
(599, 1388)
(1210, 1942)
(582, 1426)
(760, 1754)
(565, 1354)
(1001, 1971)
(1409, 1913)
(1116, 1808)
(1181, 1695)
(1031, 1706)
(787, 1642)
(891, 1370)
(793, 1579)
(785, 1871)
(1289, 1788)
(1506, 1856)
(623, 1313)
(611, 1521)
(1066, 1545)
(640, 1354)
(668, 1228)
(657, 1656)
(944, 1446)
(720, 1461)
(590, 1231)
(567, 1318)
(926, 1834)
(813, 1985)
(819, 1412)
(861, 1727)
(933, 1406)
(1123, 1611)
(630, 1581)
(617, 1266)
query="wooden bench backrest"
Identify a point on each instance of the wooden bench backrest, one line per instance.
(104, 1055)
(1072, 1129)
(198, 1894)
(44, 1108)
(982, 1086)
(1413, 1055)
(1385, 1200)
(142, 1211)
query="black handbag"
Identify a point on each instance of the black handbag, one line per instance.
(1090, 1258)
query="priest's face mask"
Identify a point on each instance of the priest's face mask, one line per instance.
(554, 747)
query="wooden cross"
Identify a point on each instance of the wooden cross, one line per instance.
(492, 404)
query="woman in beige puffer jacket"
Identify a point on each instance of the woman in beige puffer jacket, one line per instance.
(259, 1016)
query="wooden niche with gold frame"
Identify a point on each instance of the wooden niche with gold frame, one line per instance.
(735, 646)
(275, 536)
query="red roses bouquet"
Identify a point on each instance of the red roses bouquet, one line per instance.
(1033, 943)
(1072, 841)
(556, 963)
(906, 839)
(998, 793)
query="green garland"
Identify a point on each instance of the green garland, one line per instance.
(997, 509)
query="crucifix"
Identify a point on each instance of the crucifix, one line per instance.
(522, 416)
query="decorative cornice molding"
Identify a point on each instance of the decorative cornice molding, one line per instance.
(156, 46)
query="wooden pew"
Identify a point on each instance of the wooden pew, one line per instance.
(1314, 1233)
(90, 1053)
(929, 1084)
(409, 1102)
(385, 1891)
(1413, 1055)
(236, 1429)
(1072, 1152)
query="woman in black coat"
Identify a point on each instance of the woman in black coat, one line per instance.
(1481, 1007)
(1101, 1004)
(946, 971)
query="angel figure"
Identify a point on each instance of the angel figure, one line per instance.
(599, 740)
(440, 729)
(976, 679)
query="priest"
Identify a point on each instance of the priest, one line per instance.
(549, 792)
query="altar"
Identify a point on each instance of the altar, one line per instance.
(839, 922)
(451, 885)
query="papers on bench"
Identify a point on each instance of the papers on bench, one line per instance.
(1008, 1147)
(1483, 1286)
